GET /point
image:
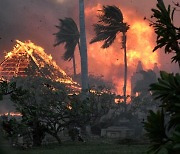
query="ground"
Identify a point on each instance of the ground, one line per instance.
(82, 148)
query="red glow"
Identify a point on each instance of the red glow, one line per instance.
(109, 62)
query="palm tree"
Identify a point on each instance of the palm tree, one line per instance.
(109, 25)
(83, 47)
(69, 34)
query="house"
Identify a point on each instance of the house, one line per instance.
(117, 132)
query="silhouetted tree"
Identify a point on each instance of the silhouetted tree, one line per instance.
(69, 34)
(163, 127)
(109, 25)
(43, 105)
(168, 35)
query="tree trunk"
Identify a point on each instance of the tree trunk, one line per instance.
(74, 66)
(38, 133)
(83, 47)
(55, 135)
(57, 138)
(125, 67)
(36, 140)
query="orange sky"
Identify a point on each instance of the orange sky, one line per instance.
(35, 20)
(109, 62)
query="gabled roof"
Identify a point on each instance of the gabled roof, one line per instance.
(26, 58)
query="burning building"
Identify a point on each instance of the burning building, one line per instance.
(26, 58)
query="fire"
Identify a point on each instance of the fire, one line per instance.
(69, 107)
(13, 114)
(9, 55)
(117, 100)
(99, 93)
(143, 50)
(40, 51)
(40, 58)
(109, 62)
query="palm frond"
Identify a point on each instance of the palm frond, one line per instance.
(109, 25)
(112, 13)
(167, 90)
(70, 48)
(68, 34)
(155, 130)
(167, 33)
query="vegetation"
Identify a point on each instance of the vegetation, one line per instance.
(168, 34)
(42, 104)
(69, 34)
(163, 127)
(109, 25)
(46, 107)
(97, 83)
(80, 148)
(6, 88)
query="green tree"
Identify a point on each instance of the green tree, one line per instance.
(43, 105)
(79, 112)
(109, 25)
(168, 34)
(156, 132)
(46, 107)
(83, 48)
(168, 91)
(162, 127)
(69, 34)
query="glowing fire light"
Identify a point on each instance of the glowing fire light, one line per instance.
(69, 107)
(41, 59)
(13, 114)
(117, 100)
(9, 55)
(109, 62)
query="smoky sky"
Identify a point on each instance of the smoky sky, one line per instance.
(35, 20)
(30, 20)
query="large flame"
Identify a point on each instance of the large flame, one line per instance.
(109, 62)
(13, 64)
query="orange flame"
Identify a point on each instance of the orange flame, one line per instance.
(41, 59)
(109, 62)
(13, 114)
(69, 107)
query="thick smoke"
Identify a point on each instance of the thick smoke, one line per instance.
(35, 20)
(32, 20)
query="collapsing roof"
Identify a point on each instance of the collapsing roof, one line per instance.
(28, 59)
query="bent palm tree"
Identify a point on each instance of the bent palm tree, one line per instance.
(69, 34)
(109, 25)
